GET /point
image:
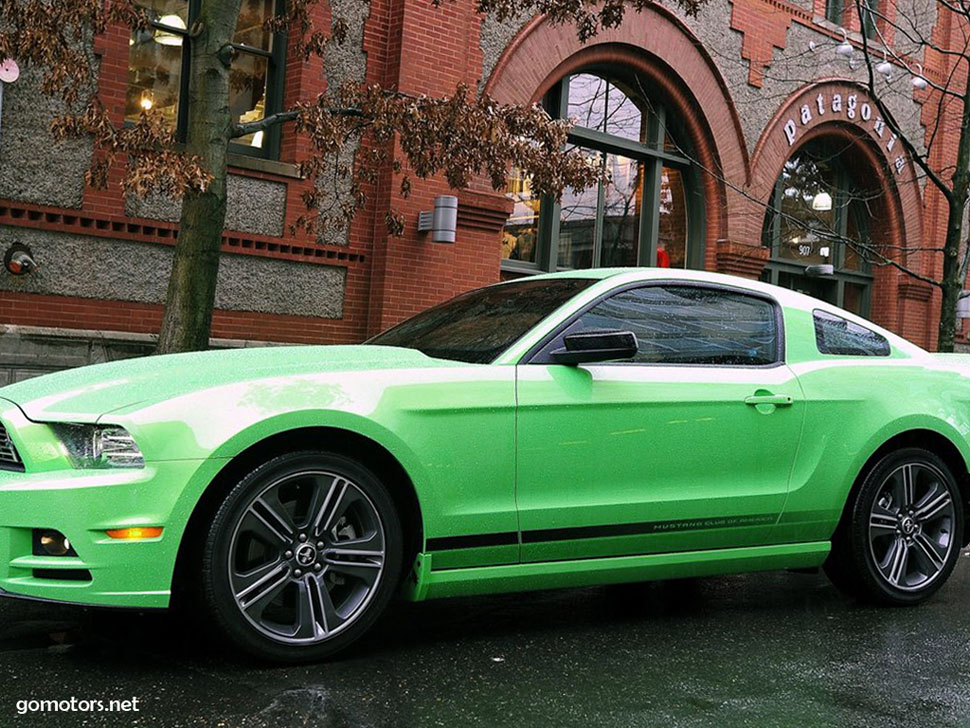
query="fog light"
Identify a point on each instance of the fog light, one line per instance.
(48, 542)
(135, 534)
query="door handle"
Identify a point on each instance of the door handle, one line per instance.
(780, 400)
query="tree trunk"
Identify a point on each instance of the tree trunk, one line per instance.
(195, 265)
(952, 283)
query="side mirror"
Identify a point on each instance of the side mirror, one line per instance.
(594, 346)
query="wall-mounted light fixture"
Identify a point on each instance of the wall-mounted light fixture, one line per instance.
(844, 48)
(963, 305)
(442, 222)
(919, 82)
(19, 260)
(885, 67)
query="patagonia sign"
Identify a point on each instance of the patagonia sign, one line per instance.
(848, 107)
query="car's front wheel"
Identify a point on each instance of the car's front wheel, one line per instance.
(902, 535)
(302, 556)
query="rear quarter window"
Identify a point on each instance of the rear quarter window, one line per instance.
(839, 336)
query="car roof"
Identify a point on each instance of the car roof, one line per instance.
(619, 276)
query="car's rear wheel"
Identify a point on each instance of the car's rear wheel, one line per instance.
(901, 538)
(302, 557)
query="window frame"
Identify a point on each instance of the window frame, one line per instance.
(540, 353)
(275, 81)
(869, 18)
(835, 11)
(651, 155)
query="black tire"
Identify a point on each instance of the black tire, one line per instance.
(900, 537)
(323, 575)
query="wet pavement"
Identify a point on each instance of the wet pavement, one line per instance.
(755, 650)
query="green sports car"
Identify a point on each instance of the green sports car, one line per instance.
(578, 428)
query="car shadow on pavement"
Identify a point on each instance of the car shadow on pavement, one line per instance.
(94, 635)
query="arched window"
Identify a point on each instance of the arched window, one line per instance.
(820, 215)
(648, 213)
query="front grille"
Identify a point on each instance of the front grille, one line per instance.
(9, 458)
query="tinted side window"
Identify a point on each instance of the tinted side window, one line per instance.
(691, 325)
(836, 335)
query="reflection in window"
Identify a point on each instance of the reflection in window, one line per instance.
(836, 335)
(249, 75)
(247, 93)
(158, 72)
(672, 237)
(579, 212)
(622, 196)
(820, 214)
(251, 26)
(155, 62)
(806, 193)
(638, 214)
(595, 103)
(691, 325)
(479, 325)
(522, 227)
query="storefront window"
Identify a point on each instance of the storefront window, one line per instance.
(672, 237)
(819, 215)
(158, 69)
(640, 215)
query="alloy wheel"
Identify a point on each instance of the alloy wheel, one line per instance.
(306, 557)
(911, 526)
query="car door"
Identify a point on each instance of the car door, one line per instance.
(688, 446)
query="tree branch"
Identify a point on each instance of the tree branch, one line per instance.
(907, 143)
(251, 127)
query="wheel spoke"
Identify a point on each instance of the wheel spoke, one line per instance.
(365, 571)
(372, 542)
(316, 614)
(894, 565)
(257, 588)
(275, 521)
(329, 507)
(881, 522)
(930, 552)
(907, 484)
(934, 504)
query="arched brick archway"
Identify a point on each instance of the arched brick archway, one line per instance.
(845, 112)
(655, 44)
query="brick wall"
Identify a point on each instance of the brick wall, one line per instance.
(727, 72)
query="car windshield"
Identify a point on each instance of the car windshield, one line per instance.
(476, 327)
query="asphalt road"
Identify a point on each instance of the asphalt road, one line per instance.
(754, 650)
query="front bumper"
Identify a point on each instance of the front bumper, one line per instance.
(83, 505)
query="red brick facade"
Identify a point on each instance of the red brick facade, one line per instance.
(419, 49)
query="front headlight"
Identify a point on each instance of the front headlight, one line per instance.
(100, 446)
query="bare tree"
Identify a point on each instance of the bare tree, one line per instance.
(951, 96)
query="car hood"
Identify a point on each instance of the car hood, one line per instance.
(87, 393)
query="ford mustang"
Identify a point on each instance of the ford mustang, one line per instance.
(578, 428)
